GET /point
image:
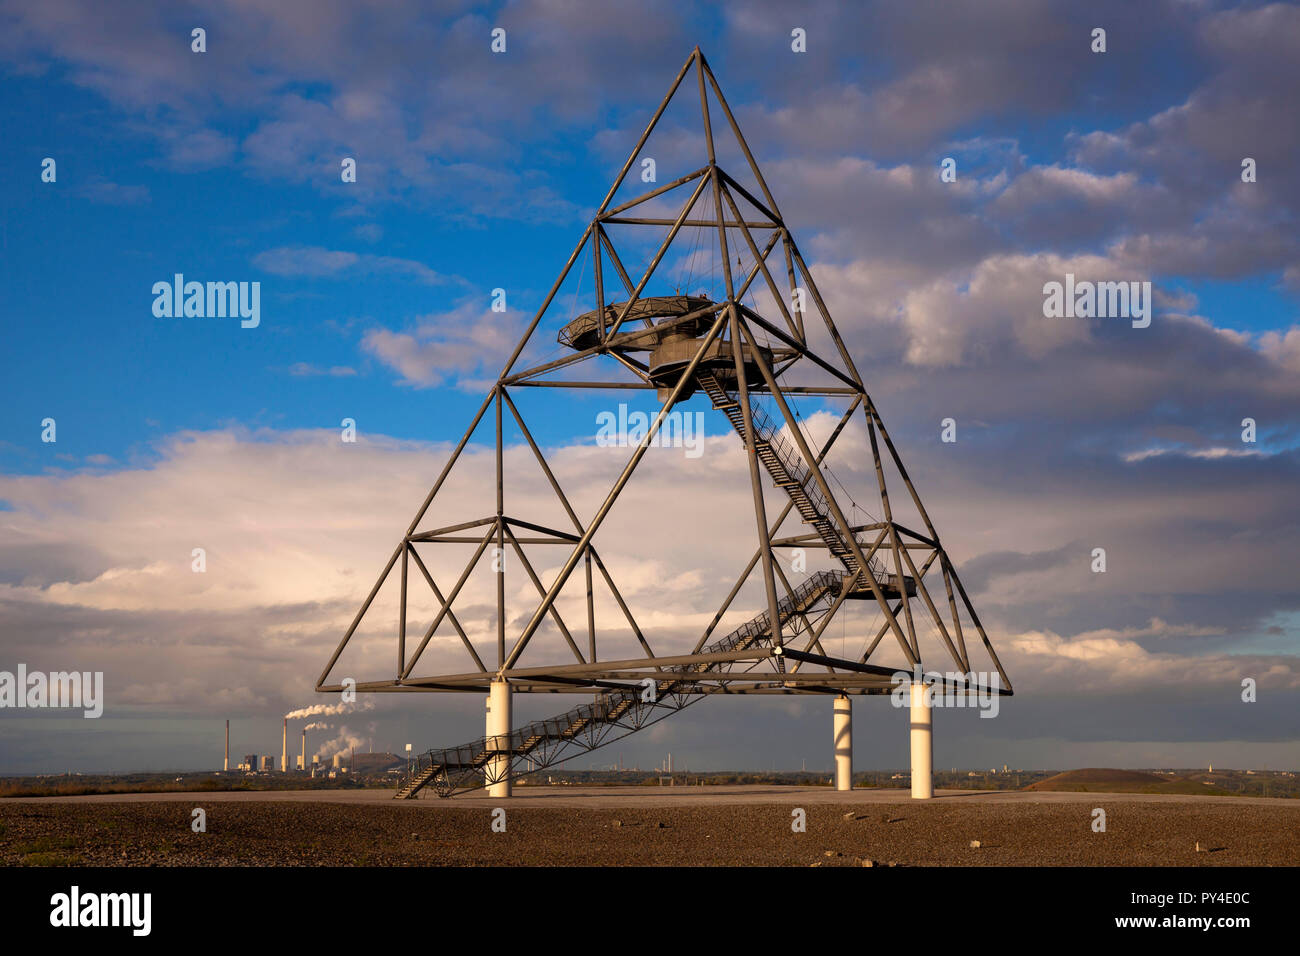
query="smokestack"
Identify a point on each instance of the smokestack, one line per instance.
(304, 750)
(284, 748)
(226, 765)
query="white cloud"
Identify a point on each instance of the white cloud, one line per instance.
(1105, 662)
(1283, 348)
(317, 262)
(306, 370)
(462, 344)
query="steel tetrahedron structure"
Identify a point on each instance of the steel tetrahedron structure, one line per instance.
(748, 350)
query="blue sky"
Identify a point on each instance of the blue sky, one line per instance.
(129, 216)
(478, 171)
(132, 377)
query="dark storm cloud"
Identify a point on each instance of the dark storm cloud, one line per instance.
(979, 572)
(930, 70)
(1243, 108)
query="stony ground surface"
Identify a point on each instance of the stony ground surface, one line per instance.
(437, 833)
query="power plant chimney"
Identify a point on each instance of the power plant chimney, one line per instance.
(284, 748)
(226, 765)
(304, 749)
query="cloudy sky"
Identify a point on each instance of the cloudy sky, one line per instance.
(478, 171)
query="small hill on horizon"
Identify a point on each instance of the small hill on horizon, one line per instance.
(1113, 780)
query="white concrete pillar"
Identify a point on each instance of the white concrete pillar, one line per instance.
(498, 726)
(922, 743)
(843, 743)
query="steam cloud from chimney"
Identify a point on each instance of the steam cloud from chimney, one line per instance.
(326, 710)
(345, 740)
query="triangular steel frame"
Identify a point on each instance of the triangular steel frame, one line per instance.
(878, 556)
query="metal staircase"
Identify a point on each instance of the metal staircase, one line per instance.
(788, 471)
(612, 715)
(617, 713)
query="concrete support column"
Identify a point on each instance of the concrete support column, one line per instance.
(843, 743)
(922, 743)
(498, 726)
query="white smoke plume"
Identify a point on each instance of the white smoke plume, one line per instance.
(346, 740)
(318, 725)
(325, 710)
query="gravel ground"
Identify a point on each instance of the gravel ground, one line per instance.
(429, 833)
